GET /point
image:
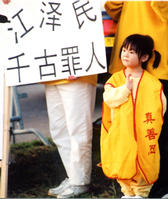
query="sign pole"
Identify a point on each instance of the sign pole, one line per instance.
(6, 137)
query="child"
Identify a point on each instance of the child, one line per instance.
(134, 104)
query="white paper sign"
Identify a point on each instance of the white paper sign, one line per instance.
(1, 109)
(49, 40)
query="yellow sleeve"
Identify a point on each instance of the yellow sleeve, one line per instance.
(113, 9)
(114, 97)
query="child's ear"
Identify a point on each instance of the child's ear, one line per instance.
(144, 58)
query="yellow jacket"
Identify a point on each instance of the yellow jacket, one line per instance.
(142, 17)
(131, 139)
(92, 79)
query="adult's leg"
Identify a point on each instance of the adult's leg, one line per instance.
(78, 101)
(57, 122)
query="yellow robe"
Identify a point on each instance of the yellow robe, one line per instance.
(92, 79)
(131, 139)
(142, 17)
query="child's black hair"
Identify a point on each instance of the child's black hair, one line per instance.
(143, 45)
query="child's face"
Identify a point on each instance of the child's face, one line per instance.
(130, 58)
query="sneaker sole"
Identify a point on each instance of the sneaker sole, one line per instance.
(72, 195)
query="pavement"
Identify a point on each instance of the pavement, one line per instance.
(34, 111)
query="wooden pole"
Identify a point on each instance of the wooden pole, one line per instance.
(6, 145)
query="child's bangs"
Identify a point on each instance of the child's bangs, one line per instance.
(130, 45)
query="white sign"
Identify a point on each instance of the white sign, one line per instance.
(48, 40)
(1, 109)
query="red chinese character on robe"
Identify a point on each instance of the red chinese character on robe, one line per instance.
(151, 134)
(152, 149)
(149, 118)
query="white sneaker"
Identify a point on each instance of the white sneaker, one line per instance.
(126, 196)
(137, 197)
(73, 191)
(55, 191)
(165, 196)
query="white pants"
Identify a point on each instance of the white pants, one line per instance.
(70, 108)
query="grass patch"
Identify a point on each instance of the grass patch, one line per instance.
(34, 168)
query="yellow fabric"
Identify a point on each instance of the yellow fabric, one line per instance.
(125, 141)
(161, 9)
(136, 186)
(142, 17)
(114, 9)
(92, 79)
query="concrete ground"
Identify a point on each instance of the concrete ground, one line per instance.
(34, 112)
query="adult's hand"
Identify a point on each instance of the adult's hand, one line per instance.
(5, 1)
(71, 77)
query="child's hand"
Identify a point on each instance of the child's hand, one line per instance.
(129, 82)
